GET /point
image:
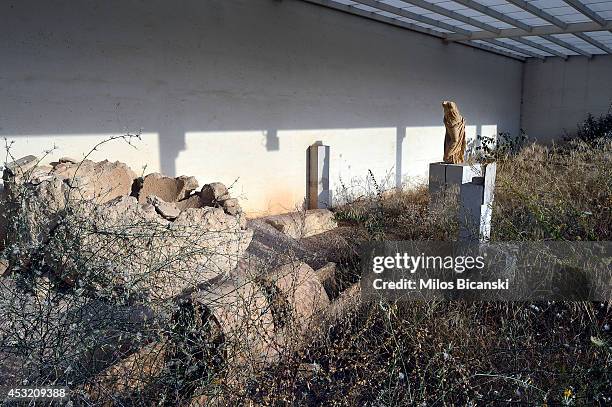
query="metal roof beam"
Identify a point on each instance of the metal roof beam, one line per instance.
(540, 47)
(538, 13)
(578, 5)
(451, 14)
(408, 14)
(541, 30)
(594, 42)
(520, 57)
(514, 48)
(493, 13)
(391, 21)
(377, 17)
(566, 45)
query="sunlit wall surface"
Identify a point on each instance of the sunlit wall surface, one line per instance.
(231, 90)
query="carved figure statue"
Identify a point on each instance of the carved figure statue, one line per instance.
(454, 139)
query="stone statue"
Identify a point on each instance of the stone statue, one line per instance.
(454, 139)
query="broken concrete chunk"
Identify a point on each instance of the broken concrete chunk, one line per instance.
(122, 235)
(303, 224)
(4, 264)
(102, 180)
(214, 193)
(133, 373)
(299, 288)
(327, 277)
(167, 188)
(241, 310)
(20, 166)
(67, 160)
(192, 201)
(231, 206)
(166, 209)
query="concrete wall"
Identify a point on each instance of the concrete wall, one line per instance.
(237, 89)
(558, 94)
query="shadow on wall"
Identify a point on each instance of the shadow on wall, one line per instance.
(267, 168)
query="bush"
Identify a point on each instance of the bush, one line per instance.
(592, 128)
(491, 149)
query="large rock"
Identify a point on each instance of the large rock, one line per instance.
(21, 165)
(153, 248)
(214, 194)
(99, 181)
(192, 201)
(132, 374)
(303, 224)
(130, 247)
(167, 188)
(34, 194)
(297, 295)
(240, 309)
(167, 210)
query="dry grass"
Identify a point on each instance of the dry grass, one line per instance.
(434, 353)
(449, 354)
(542, 193)
(555, 193)
(459, 353)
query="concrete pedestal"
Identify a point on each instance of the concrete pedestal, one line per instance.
(475, 185)
(318, 192)
(475, 209)
(443, 175)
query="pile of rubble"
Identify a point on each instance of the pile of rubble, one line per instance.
(131, 224)
(252, 281)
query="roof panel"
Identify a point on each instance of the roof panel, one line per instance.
(558, 9)
(526, 47)
(365, 8)
(552, 45)
(572, 39)
(488, 44)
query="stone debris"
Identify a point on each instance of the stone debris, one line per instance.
(250, 284)
(232, 206)
(217, 194)
(327, 277)
(4, 265)
(303, 224)
(20, 166)
(132, 374)
(200, 245)
(214, 194)
(166, 188)
(194, 243)
(192, 201)
(99, 181)
(67, 160)
(166, 209)
(298, 296)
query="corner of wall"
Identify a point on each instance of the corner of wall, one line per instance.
(522, 102)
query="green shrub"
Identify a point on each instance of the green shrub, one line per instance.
(594, 128)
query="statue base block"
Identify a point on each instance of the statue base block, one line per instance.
(472, 186)
(444, 175)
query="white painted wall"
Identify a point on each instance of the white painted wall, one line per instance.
(558, 94)
(237, 89)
